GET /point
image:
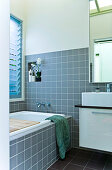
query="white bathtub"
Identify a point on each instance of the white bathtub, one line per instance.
(33, 116)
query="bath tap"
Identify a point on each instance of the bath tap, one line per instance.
(40, 104)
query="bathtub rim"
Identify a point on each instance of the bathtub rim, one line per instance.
(40, 113)
(22, 132)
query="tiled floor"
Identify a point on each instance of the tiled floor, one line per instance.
(77, 159)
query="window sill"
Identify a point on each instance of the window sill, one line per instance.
(17, 100)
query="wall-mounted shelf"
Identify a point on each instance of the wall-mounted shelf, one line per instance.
(35, 75)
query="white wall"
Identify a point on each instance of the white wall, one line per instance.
(4, 85)
(54, 25)
(18, 9)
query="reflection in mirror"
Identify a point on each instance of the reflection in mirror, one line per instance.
(100, 41)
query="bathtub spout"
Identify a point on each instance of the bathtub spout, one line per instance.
(40, 104)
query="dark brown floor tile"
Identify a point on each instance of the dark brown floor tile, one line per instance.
(85, 154)
(73, 167)
(82, 161)
(72, 152)
(89, 169)
(99, 165)
(60, 164)
(76, 159)
(108, 165)
(99, 157)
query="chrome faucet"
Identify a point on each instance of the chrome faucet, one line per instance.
(43, 104)
(109, 87)
(40, 104)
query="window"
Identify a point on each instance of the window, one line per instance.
(92, 5)
(15, 59)
(105, 3)
(100, 7)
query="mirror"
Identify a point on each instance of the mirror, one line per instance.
(100, 41)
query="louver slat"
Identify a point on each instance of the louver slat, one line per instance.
(15, 58)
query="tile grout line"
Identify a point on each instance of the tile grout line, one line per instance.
(67, 164)
(105, 164)
(88, 162)
(70, 161)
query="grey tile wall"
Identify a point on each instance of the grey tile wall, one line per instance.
(35, 151)
(17, 106)
(65, 75)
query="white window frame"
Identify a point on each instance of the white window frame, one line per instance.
(23, 65)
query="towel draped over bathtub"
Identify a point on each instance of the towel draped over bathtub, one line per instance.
(62, 133)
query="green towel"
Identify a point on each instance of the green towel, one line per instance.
(62, 134)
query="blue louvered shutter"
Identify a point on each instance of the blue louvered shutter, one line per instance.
(15, 60)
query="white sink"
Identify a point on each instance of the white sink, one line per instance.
(103, 99)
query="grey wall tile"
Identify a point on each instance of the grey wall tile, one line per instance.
(20, 146)
(27, 153)
(13, 162)
(13, 150)
(20, 158)
(21, 167)
(28, 164)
